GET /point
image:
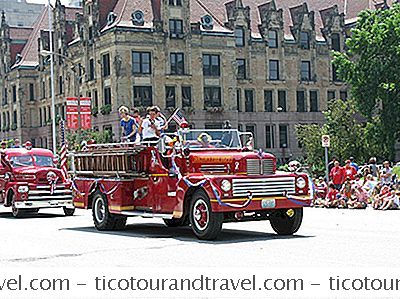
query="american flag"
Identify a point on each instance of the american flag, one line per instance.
(178, 117)
(63, 151)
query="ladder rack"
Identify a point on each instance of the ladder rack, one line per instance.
(113, 159)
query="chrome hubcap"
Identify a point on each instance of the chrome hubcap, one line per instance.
(100, 210)
(201, 214)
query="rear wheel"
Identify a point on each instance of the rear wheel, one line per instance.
(286, 221)
(205, 224)
(68, 211)
(102, 218)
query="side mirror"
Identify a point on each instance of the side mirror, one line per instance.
(56, 159)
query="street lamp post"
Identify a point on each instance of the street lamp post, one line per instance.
(53, 107)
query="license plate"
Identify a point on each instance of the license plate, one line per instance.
(268, 203)
(54, 203)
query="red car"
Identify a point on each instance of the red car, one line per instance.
(198, 177)
(29, 181)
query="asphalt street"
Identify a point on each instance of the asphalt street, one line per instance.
(327, 238)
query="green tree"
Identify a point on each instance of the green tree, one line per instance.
(349, 136)
(99, 137)
(371, 68)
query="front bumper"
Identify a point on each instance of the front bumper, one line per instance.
(260, 203)
(54, 203)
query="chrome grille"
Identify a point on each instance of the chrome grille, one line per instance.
(43, 193)
(253, 166)
(268, 166)
(213, 168)
(263, 187)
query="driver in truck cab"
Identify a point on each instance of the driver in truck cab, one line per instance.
(204, 140)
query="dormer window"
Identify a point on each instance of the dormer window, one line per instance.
(138, 18)
(111, 18)
(239, 37)
(207, 22)
(304, 40)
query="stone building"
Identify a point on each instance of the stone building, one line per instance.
(20, 13)
(264, 65)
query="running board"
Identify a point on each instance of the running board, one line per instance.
(146, 214)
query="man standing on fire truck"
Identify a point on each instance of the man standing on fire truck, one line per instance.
(151, 126)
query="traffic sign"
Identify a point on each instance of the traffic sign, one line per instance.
(326, 141)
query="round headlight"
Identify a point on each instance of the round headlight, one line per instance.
(226, 185)
(300, 183)
(23, 189)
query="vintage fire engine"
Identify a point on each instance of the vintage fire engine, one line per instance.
(30, 181)
(200, 178)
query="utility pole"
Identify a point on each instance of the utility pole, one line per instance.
(53, 107)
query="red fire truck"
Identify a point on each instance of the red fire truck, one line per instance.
(200, 178)
(29, 181)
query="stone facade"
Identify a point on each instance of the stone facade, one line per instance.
(264, 67)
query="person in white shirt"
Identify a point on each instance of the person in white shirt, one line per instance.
(151, 126)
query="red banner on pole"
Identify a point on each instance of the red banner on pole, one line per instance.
(72, 113)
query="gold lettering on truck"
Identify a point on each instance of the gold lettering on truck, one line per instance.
(212, 159)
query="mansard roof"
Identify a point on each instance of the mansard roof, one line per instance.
(123, 11)
(218, 10)
(29, 54)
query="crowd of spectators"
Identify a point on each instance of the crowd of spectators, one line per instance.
(356, 187)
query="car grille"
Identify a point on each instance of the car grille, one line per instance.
(263, 187)
(257, 166)
(213, 168)
(44, 193)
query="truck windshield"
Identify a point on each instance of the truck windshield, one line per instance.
(44, 161)
(21, 161)
(27, 160)
(206, 139)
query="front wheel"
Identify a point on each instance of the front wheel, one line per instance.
(102, 218)
(286, 221)
(205, 224)
(15, 211)
(69, 211)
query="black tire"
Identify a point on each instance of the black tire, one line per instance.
(102, 218)
(205, 224)
(176, 222)
(286, 221)
(32, 211)
(69, 211)
(17, 213)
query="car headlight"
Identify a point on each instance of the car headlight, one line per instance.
(300, 183)
(23, 189)
(226, 185)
